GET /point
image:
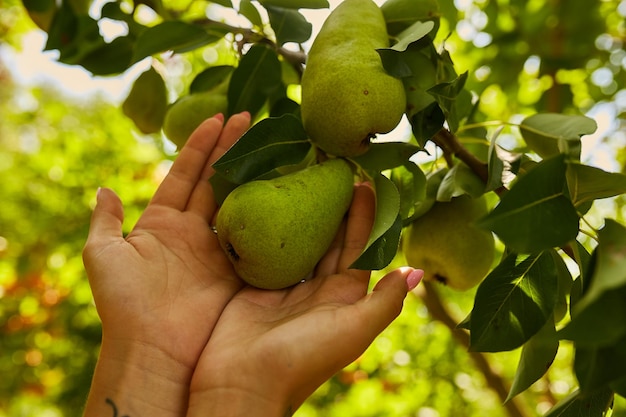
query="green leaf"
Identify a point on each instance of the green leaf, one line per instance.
(393, 59)
(596, 368)
(610, 266)
(250, 12)
(536, 358)
(269, 144)
(413, 33)
(296, 4)
(400, 14)
(289, 25)
(599, 324)
(112, 10)
(410, 181)
(211, 78)
(453, 100)
(427, 122)
(111, 58)
(256, 77)
(385, 155)
(587, 183)
(459, 180)
(565, 283)
(221, 187)
(172, 35)
(381, 252)
(513, 303)
(495, 165)
(551, 133)
(422, 75)
(536, 213)
(74, 36)
(382, 246)
(578, 405)
(598, 317)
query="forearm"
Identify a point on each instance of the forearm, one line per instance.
(136, 381)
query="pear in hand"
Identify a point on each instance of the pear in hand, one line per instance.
(445, 243)
(347, 97)
(275, 231)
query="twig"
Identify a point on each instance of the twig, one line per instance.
(438, 312)
(449, 143)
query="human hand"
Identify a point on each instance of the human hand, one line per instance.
(160, 290)
(271, 349)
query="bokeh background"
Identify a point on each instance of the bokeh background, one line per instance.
(62, 135)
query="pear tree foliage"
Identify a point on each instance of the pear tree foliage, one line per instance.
(540, 190)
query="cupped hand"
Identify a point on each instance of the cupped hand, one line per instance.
(160, 290)
(271, 349)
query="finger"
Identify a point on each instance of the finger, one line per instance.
(378, 309)
(202, 200)
(358, 228)
(180, 182)
(235, 127)
(106, 221)
(358, 325)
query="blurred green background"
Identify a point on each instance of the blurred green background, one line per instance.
(57, 146)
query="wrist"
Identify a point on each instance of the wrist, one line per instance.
(237, 391)
(134, 379)
(236, 402)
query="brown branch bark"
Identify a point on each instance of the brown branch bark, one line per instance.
(429, 295)
(451, 145)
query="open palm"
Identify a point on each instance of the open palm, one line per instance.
(164, 286)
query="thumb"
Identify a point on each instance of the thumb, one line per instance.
(384, 303)
(106, 219)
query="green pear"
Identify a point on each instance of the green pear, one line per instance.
(445, 243)
(146, 102)
(275, 231)
(347, 97)
(186, 114)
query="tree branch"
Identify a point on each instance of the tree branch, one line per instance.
(429, 295)
(449, 143)
(296, 58)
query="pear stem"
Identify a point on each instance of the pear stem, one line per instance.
(427, 291)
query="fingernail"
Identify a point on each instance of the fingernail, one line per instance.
(414, 278)
(98, 191)
(220, 117)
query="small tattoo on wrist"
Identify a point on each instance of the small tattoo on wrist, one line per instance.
(114, 407)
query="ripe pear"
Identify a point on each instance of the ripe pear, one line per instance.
(186, 114)
(146, 102)
(447, 246)
(275, 231)
(347, 97)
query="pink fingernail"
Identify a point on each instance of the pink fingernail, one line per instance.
(219, 116)
(414, 278)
